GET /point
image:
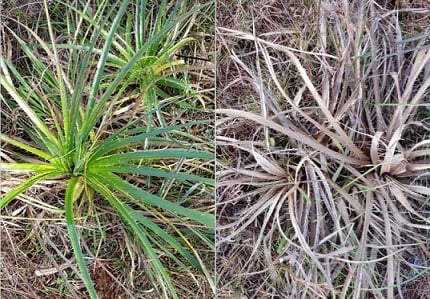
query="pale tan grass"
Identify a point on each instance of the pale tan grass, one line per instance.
(296, 135)
(347, 180)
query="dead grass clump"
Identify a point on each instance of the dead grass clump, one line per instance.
(14, 14)
(331, 192)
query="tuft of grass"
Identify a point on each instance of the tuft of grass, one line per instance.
(99, 155)
(328, 195)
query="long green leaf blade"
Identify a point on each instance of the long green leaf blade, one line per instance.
(71, 193)
(103, 58)
(114, 142)
(149, 171)
(132, 191)
(153, 154)
(26, 147)
(35, 167)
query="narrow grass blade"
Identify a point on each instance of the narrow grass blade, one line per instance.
(26, 185)
(164, 236)
(140, 21)
(104, 54)
(72, 192)
(26, 147)
(152, 154)
(35, 167)
(135, 193)
(38, 123)
(149, 171)
(60, 75)
(295, 135)
(114, 142)
(93, 114)
(161, 273)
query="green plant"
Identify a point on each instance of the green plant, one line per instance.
(156, 73)
(68, 110)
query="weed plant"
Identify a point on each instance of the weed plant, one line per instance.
(328, 197)
(87, 132)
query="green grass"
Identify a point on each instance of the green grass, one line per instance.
(72, 135)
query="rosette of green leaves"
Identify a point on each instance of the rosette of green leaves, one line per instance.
(66, 110)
